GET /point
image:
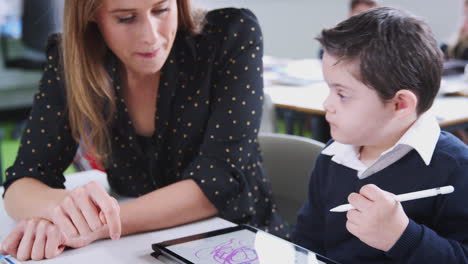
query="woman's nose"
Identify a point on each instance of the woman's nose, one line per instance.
(150, 31)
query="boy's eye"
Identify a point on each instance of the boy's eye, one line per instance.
(342, 96)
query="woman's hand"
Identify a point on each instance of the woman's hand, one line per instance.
(34, 239)
(86, 214)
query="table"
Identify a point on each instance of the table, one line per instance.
(450, 111)
(129, 249)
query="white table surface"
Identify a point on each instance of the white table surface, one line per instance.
(309, 99)
(129, 249)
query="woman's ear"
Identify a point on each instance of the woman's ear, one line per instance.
(405, 102)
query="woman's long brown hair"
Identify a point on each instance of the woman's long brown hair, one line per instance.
(90, 94)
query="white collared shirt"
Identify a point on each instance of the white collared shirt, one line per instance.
(422, 136)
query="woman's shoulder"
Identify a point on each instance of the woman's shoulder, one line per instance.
(232, 30)
(231, 16)
(54, 41)
(232, 22)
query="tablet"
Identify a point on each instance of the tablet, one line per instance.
(241, 244)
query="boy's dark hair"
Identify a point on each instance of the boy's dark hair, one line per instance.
(354, 3)
(394, 49)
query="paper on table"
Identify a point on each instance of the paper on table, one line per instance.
(454, 85)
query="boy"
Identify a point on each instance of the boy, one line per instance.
(383, 68)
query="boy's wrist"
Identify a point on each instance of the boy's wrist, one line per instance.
(408, 240)
(399, 231)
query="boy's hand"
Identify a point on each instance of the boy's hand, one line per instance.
(378, 219)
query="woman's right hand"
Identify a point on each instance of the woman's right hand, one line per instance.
(87, 213)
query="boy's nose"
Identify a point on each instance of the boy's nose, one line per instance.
(327, 105)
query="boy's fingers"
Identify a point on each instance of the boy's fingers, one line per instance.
(353, 216)
(372, 192)
(359, 202)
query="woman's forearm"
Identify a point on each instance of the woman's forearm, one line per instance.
(29, 198)
(176, 204)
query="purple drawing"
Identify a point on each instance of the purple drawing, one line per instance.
(230, 252)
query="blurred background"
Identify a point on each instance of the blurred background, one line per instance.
(289, 29)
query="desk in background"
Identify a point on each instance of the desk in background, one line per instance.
(129, 249)
(307, 98)
(17, 88)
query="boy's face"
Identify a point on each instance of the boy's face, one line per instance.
(355, 112)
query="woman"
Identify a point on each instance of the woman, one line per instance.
(172, 113)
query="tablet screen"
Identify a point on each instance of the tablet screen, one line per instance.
(238, 245)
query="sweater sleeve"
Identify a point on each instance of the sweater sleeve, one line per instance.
(446, 241)
(47, 146)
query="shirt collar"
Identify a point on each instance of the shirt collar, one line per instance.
(422, 136)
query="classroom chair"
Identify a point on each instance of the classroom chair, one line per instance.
(268, 122)
(288, 160)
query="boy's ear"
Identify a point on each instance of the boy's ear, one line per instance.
(405, 102)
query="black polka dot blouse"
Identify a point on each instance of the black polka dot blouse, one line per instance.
(209, 110)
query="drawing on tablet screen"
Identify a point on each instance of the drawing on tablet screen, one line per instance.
(232, 251)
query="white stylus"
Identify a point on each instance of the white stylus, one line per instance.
(405, 197)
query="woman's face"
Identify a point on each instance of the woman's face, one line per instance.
(140, 33)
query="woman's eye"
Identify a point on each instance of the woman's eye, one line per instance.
(162, 10)
(125, 19)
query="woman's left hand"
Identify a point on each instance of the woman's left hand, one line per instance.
(34, 239)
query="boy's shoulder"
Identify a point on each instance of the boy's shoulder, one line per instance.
(451, 149)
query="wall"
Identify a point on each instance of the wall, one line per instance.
(289, 27)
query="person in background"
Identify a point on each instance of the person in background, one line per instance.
(383, 67)
(168, 99)
(357, 6)
(458, 47)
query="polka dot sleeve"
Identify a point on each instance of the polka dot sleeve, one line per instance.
(47, 147)
(226, 168)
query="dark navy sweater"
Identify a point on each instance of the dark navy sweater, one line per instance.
(438, 227)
